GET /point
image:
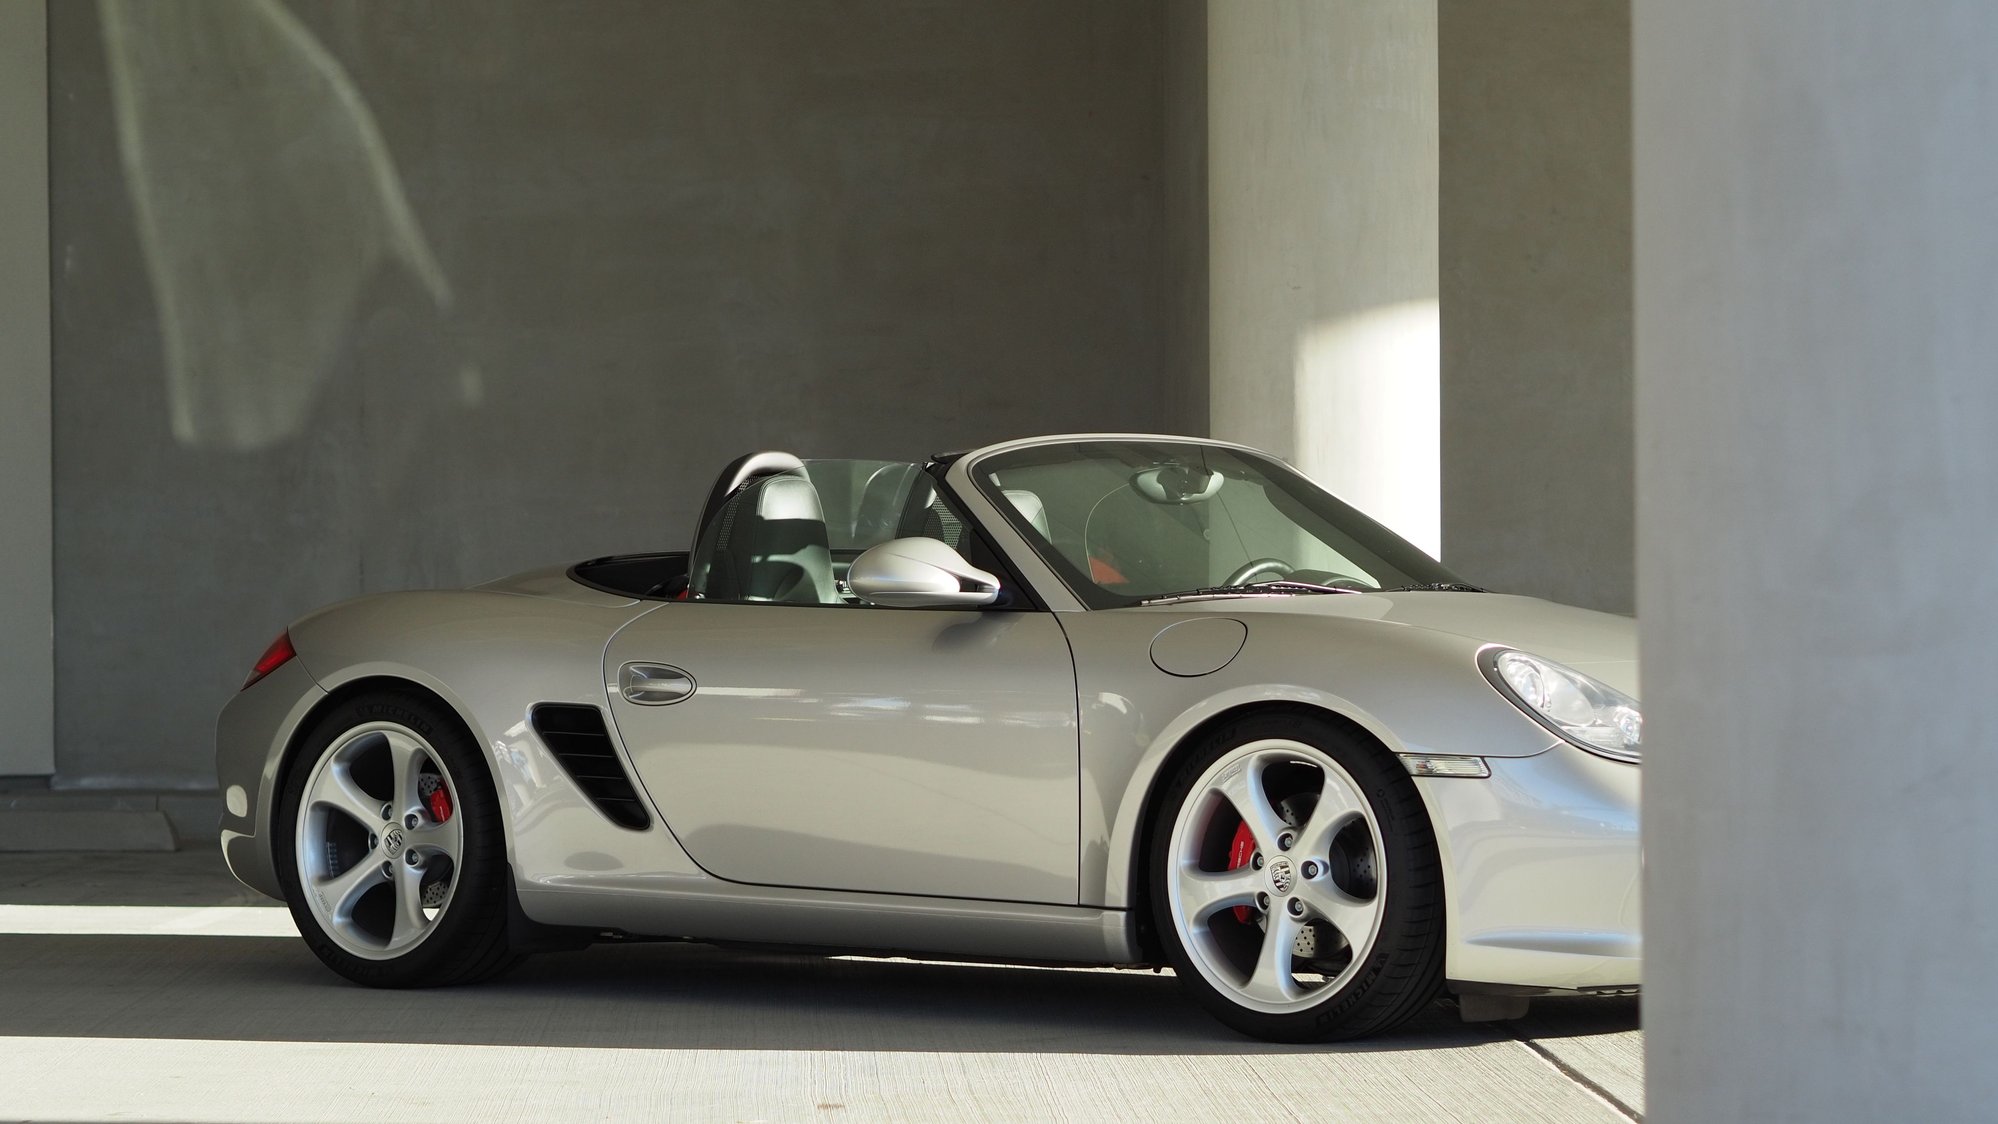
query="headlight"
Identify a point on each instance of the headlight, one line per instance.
(1584, 711)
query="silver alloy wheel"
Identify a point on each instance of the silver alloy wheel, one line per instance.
(1286, 929)
(376, 868)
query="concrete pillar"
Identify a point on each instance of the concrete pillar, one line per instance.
(1534, 140)
(1817, 420)
(1321, 119)
(27, 661)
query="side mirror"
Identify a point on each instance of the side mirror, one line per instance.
(919, 573)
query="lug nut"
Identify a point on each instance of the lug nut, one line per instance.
(410, 821)
(1256, 861)
(412, 858)
(373, 841)
(1285, 840)
(388, 813)
(388, 869)
(1296, 907)
(1310, 870)
(1263, 902)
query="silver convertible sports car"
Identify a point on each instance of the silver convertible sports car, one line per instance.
(1109, 700)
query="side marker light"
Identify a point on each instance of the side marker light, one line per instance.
(1441, 765)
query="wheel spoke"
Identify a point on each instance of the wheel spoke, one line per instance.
(1271, 981)
(1353, 917)
(336, 789)
(1337, 806)
(340, 892)
(1315, 840)
(1244, 789)
(409, 919)
(404, 751)
(436, 838)
(1204, 893)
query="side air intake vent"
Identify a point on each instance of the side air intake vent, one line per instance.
(576, 735)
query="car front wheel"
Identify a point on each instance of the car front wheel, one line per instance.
(390, 849)
(1295, 881)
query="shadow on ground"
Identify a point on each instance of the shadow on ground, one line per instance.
(645, 996)
(653, 996)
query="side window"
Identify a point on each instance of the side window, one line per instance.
(772, 541)
(766, 544)
(863, 500)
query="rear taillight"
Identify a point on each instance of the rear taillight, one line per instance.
(274, 657)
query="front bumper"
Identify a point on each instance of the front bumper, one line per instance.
(1542, 870)
(250, 737)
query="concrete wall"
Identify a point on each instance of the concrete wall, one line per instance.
(1186, 260)
(1817, 273)
(27, 667)
(1537, 459)
(359, 296)
(1322, 212)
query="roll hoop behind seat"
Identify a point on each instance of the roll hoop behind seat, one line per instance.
(741, 471)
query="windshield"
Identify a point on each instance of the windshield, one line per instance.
(1130, 521)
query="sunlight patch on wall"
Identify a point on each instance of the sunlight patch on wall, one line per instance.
(267, 203)
(1368, 422)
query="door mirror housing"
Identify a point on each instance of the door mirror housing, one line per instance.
(919, 573)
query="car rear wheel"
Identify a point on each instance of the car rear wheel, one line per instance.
(1295, 882)
(391, 852)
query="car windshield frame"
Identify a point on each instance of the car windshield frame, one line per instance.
(1390, 560)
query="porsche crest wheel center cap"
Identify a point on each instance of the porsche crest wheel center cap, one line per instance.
(1282, 875)
(391, 841)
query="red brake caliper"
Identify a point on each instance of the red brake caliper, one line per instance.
(1240, 851)
(439, 801)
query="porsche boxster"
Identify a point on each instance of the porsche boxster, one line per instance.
(1096, 700)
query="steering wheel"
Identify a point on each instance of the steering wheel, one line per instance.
(1256, 567)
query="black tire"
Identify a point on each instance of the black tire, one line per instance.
(467, 942)
(1402, 973)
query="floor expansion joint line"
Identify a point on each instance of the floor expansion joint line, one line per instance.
(1595, 1089)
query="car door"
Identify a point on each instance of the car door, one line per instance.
(845, 747)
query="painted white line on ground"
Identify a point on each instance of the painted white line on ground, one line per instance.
(148, 920)
(201, 1080)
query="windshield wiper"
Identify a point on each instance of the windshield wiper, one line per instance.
(1250, 589)
(1436, 587)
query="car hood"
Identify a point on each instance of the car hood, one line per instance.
(1602, 644)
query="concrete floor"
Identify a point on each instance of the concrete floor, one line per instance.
(147, 1015)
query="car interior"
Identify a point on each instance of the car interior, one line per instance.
(766, 533)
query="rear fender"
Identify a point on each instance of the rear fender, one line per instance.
(491, 657)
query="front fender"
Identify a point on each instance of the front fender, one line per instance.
(1414, 690)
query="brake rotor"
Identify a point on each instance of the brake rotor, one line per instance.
(435, 890)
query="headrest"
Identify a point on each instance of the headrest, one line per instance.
(1029, 505)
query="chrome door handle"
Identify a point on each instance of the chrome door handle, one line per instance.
(653, 684)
